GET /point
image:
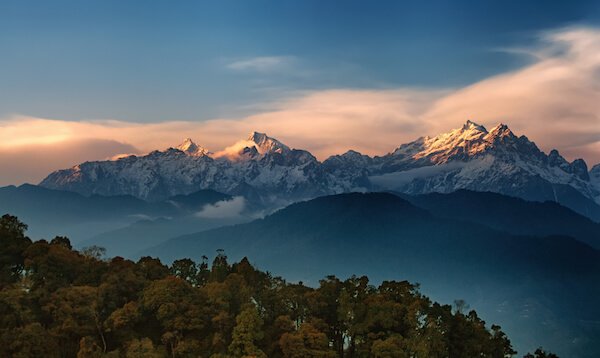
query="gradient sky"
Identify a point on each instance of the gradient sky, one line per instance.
(163, 60)
(186, 64)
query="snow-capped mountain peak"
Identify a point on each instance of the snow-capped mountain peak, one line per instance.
(265, 144)
(467, 140)
(255, 145)
(190, 148)
(472, 126)
(501, 130)
(501, 133)
(257, 137)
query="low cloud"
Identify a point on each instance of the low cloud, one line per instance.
(223, 209)
(553, 100)
(393, 181)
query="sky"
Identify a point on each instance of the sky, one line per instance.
(86, 80)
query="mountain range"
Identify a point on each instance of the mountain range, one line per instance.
(266, 171)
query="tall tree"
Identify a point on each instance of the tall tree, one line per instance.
(220, 267)
(247, 334)
(185, 269)
(179, 308)
(13, 243)
(540, 353)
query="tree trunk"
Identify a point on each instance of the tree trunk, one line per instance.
(97, 322)
(99, 328)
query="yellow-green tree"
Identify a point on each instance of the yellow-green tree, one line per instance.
(247, 334)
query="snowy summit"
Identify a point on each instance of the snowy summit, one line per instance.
(255, 145)
(190, 148)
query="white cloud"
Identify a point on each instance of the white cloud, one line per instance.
(262, 63)
(223, 209)
(393, 181)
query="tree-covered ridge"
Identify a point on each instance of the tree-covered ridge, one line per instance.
(59, 302)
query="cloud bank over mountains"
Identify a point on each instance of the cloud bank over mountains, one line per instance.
(554, 100)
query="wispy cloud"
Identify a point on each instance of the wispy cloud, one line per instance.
(262, 64)
(554, 100)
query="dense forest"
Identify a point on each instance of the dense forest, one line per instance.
(59, 302)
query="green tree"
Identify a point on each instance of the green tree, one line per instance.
(352, 312)
(75, 313)
(324, 304)
(392, 347)
(13, 243)
(50, 267)
(203, 272)
(500, 344)
(151, 268)
(62, 240)
(121, 283)
(95, 252)
(247, 334)
(89, 348)
(220, 267)
(144, 348)
(31, 341)
(185, 269)
(179, 308)
(540, 353)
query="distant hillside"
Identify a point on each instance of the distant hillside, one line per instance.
(54, 212)
(128, 241)
(510, 214)
(531, 285)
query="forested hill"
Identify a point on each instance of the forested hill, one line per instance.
(58, 302)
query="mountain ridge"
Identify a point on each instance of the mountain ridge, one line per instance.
(263, 169)
(512, 215)
(56, 212)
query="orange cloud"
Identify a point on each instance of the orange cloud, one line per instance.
(554, 100)
(32, 162)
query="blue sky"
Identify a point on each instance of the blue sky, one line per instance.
(149, 61)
